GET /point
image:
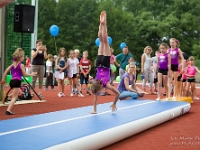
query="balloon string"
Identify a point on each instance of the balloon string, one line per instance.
(55, 44)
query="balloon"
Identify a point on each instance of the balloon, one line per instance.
(97, 42)
(54, 30)
(118, 79)
(113, 68)
(109, 40)
(122, 45)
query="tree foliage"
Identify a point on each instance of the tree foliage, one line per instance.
(137, 23)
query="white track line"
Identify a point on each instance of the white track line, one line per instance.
(58, 122)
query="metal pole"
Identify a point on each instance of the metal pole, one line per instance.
(2, 44)
(34, 35)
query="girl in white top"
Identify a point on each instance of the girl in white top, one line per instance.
(146, 64)
(73, 70)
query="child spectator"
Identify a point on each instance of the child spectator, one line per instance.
(85, 67)
(73, 70)
(49, 73)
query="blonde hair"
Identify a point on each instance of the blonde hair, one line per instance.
(177, 42)
(18, 54)
(146, 48)
(76, 51)
(96, 86)
(191, 58)
(85, 52)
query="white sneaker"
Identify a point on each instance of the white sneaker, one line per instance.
(80, 95)
(59, 94)
(157, 99)
(173, 98)
(71, 95)
(167, 99)
(63, 94)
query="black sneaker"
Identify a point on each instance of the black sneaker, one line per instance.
(88, 93)
(9, 113)
(106, 93)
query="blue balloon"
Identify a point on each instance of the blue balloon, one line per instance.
(109, 40)
(97, 42)
(54, 30)
(122, 45)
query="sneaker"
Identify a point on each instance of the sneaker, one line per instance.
(76, 92)
(59, 94)
(155, 91)
(80, 95)
(106, 93)
(164, 94)
(88, 93)
(174, 98)
(9, 113)
(45, 89)
(157, 99)
(73, 91)
(102, 94)
(167, 99)
(63, 95)
(196, 98)
(71, 95)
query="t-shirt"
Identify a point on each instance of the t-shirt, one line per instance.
(121, 85)
(73, 68)
(85, 63)
(123, 59)
(49, 64)
(39, 59)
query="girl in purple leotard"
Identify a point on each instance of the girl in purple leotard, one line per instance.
(17, 70)
(103, 65)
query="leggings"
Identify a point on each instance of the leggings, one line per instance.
(148, 76)
(40, 73)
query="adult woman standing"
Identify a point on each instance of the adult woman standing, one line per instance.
(146, 64)
(38, 55)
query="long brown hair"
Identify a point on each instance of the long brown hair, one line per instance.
(59, 54)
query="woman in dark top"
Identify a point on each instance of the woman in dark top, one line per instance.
(38, 55)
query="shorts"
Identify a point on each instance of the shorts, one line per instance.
(74, 76)
(15, 83)
(191, 80)
(82, 79)
(174, 67)
(179, 78)
(163, 71)
(103, 61)
(184, 80)
(155, 80)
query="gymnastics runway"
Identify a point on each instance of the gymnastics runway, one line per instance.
(79, 130)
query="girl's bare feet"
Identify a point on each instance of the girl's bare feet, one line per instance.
(103, 17)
